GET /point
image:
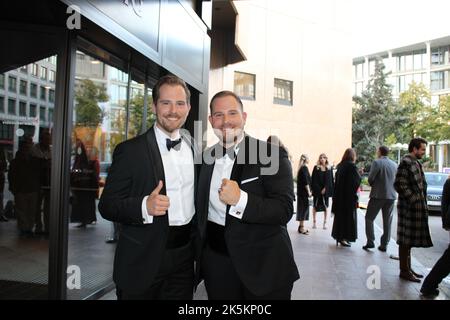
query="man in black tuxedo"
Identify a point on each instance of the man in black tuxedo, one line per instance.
(150, 192)
(246, 201)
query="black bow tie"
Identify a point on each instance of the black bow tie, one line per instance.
(175, 144)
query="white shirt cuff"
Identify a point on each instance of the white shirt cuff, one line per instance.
(146, 218)
(238, 210)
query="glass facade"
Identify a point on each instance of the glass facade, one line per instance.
(244, 85)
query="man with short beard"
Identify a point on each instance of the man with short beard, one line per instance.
(243, 206)
(150, 192)
(412, 223)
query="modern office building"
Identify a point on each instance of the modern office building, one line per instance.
(295, 79)
(426, 62)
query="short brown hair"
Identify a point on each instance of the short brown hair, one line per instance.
(416, 143)
(384, 150)
(225, 93)
(170, 80)
(349, 155)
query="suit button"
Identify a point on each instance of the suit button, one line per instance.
(238, 212)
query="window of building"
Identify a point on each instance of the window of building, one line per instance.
(11, 106)
(437, 80)
(22, 109)
(419, 58)
(52, 76)
(282, 92)
(42, 114)
(33, 90)
(409, 62)
(359, 87)
(2, 81)
(53, 60)
(43, 73)
(33, 110)
(359, 71)
(401, 84)
(23, 87)
(2, 104)
(34, 69)
(50, 115)
(12, 84)
(24, 69)
(244, 85)
(51, 96)
(42, 93)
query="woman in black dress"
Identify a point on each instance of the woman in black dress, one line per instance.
(322, 188)
(345, 200)
(303, 192)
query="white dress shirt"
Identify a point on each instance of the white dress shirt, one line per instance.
(216, 208)
(179, 176)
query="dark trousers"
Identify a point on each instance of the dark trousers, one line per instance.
(440, 270)
(174, 281)
(223, 283)
(375, 205)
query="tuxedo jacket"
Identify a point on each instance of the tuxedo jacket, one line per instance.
(258, 244)
(135, 172)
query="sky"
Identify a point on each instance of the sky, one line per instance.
(378, 25)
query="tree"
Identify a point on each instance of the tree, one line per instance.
(87, 97)
(424, 119)
(376, 116)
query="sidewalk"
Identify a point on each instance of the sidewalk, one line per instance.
(328, 272)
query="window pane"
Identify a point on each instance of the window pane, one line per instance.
(2, 104)
(283, 92)
(12, 84)
(33, 90)
(42, 93)
(23, 87)
(42, 114)
(244, 85)
(22, 109)
(11, 106)
(33, 110)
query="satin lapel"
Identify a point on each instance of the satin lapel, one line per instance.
(238, 166)
(155, 158)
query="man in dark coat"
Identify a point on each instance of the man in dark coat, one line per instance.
(150, 190)
(442, 267)
(243, 208)
(412, 223)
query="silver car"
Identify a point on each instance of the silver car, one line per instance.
(435, 182)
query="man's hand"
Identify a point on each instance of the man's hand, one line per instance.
(157, 204)
(229, 192)
(323, 191)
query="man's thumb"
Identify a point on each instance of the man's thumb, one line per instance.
(158, 188)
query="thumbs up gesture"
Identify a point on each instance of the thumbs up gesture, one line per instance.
(157, 204)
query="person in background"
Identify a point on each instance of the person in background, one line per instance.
(303, 193)
(442, 267)
(382, 197)
(412, 222)
(345, 200)
(322, 184)
(3, 169)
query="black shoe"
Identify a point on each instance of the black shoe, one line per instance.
(111, 240)
(381, 248)
(3, 218)
(417, 275)
(344, 243)
(407, 275)
(367, 247)
(429, 292)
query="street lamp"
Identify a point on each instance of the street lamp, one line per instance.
(398, 147)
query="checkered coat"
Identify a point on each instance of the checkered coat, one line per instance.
(412, 224)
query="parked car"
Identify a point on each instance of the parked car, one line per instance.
(435, 182)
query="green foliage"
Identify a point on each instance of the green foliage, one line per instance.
(87, 97)
(376, 117)
(424, 120)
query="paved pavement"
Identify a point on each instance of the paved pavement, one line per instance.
(329, 272)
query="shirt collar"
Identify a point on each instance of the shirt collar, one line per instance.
(161, 136)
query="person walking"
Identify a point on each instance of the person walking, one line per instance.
(442, 267)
